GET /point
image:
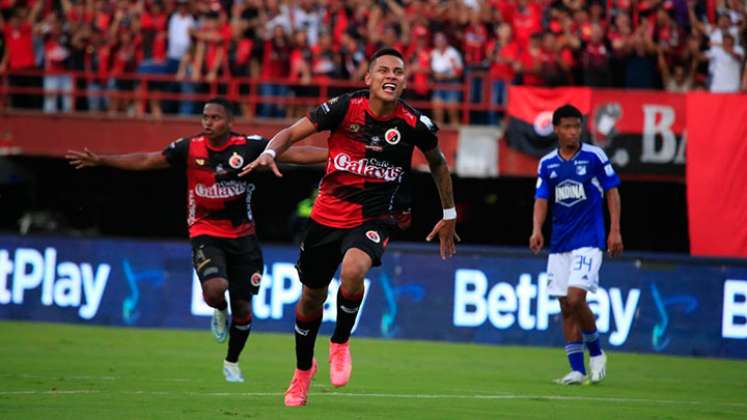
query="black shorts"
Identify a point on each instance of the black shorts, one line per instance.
(237, 260)
(323, 248)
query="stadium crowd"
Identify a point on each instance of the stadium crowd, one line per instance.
(292, 46)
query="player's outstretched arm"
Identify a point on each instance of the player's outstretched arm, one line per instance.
(614, 240)
(279, 143)
(537, 241)
(446, 227)
(304, 155)
(130, 161)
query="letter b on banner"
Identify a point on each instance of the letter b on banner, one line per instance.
(734, 321)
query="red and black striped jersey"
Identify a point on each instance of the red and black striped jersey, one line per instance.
(218, 201)
(369, 159)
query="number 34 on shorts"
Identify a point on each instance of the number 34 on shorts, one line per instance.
(578, 268)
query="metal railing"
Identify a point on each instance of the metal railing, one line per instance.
(25, 90)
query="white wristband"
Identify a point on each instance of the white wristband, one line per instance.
(450, 214)
(269, 152)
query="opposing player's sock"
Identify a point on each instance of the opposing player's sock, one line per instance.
(591, 339)
(347, 310)
(238, 333)
(575, 352)
(306, 331)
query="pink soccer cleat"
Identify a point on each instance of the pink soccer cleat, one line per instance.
(298, 391)
(340, 363)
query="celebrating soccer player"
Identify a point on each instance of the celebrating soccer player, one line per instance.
(362, 199)
(225, 251)
(575, 177)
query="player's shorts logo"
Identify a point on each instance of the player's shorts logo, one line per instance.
(235, 161)
(373, 236)
(392, 136)
(256, 279)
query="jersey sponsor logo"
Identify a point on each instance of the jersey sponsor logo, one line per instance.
(235, 161)
(581, 170)
(373, 236)
(371, 168)
(569, 193)
(223, 189)
(254, 137)
(392, 136)
(256, 279)
(608, 170)
(543, 123)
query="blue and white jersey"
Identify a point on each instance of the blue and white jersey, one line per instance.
(575, 189)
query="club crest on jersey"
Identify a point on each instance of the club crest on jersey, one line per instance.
(200, 162)
(392, 136)
(373, 236)
(235, 161)
(256, 279)
(581, 170)
(354, 128)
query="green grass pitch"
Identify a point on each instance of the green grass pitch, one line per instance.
(57, 371)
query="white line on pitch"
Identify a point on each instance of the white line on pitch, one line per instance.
(399, 396)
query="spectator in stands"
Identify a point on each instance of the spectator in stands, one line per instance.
(58, 83)
(354, 58)
(306, 17)
(504, 64)
(595, 59)
(181, 25)
(19, 52)
(716, 33)
(531, 62)
(275, 65)
(446, 70)
(419, 66)
(300, 73)
(679, 79)
(154, 32)
(640, 66)
(124, 60)
(726, 62)
(555, 62)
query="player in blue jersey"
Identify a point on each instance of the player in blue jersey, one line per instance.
(575, 178)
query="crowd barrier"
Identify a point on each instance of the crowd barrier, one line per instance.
(647, 303)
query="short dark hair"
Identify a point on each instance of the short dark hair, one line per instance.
(225, 103)
(565, 111)
(385, 51)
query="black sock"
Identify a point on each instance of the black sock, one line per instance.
(306, 331)
(238, 333)
(347, 311)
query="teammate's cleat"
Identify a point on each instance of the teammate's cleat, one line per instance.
(340, 363)
(598, 367)
(298, 391)
(574, 377)
(219, 324)
(232, 372)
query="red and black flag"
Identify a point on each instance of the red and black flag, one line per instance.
(530, 128)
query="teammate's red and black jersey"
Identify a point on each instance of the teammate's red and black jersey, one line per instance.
(369, 159)
(218, 201)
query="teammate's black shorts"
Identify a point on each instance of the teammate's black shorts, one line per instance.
(324, 247)
(237, 260)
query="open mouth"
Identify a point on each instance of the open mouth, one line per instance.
(389, 87)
